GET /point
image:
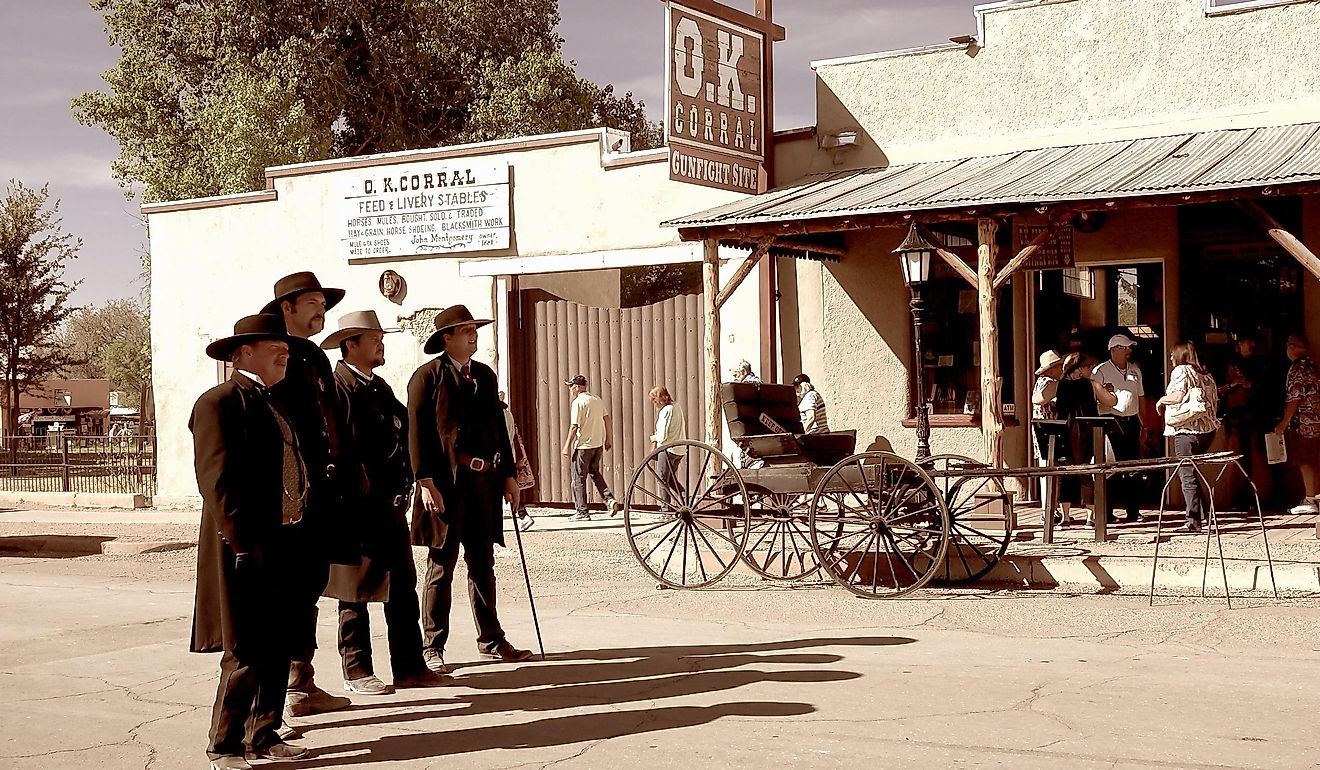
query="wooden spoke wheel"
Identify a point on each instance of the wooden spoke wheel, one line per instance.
(779, 540)
(686, 515)
(879, 525)
(980, 519)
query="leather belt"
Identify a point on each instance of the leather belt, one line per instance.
(478, 464)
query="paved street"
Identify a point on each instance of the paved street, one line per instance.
(93, 659)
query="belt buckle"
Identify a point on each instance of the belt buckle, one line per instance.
(477, 464)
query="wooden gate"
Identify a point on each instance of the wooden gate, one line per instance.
(623, 353)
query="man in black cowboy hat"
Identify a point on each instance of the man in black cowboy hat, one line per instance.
(379, 425)
(319, 417)
(463, 463)
(253, 485)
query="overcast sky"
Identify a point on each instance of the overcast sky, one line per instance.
(54, 50)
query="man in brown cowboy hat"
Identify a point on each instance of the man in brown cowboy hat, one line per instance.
(463, 463)
(253, 485)
(319, 417)
(379, 426)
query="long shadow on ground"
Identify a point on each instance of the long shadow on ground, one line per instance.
(593, 678)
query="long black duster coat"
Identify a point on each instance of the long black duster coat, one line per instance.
(238, 455)
(438, 406)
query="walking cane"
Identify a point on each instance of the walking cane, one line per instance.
(531, 602)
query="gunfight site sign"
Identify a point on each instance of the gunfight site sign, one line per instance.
(445, 208)
(714, 104)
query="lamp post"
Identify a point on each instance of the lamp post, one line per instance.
(914, 254)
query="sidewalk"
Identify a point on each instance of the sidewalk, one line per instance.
(1074, 561)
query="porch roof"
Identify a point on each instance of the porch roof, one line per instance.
(1103, 172)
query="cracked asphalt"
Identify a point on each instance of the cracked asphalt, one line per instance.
(96, 673)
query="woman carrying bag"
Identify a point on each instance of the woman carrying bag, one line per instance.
(1191, 406)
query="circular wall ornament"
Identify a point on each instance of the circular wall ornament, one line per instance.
(393, 287)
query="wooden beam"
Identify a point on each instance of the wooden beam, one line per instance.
(1022, 256)
(710, 277)
(744, 270)
(956, 262)
(1290, 243)
(992, 403)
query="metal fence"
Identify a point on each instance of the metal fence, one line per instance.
(94, 464)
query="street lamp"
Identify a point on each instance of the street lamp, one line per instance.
(914, 254)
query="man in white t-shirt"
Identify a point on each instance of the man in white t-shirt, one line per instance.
(587, 441)
(1122, 378)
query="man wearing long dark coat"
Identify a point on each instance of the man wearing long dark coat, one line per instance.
(464, 464)
(319, 418)
(386, 574)
(253, 486)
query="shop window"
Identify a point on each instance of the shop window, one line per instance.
(951, 347)
(1077, 282)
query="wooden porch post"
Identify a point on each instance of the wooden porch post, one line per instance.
(1290, 243)
(710, 275)
(992, 406)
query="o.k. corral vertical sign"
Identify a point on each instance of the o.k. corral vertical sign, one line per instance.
(425, 209)
(715, 103)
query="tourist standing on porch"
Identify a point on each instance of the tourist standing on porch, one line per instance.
(811, 406)
(1193, 436)
(319, 417)
(670, 427)
(253, 485)
(1301, 419)
(1120, 377)
(1044, 406)
(463, 464)
(588, 440)
(379, 427)
(1244, 409)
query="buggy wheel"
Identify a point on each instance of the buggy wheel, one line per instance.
(779, 540)
(686, 515)
(980, 519)
(879, 525)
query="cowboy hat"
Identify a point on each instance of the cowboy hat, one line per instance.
(447, 319)
(1048, 359)
(253, 328)
(290, 286)
(353, 324)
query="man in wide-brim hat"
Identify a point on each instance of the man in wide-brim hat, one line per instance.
(379, 426)
(253, 484)
(320, 418)
(464, 463)
(295, 285)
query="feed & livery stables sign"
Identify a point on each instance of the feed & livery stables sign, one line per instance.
(424, 208)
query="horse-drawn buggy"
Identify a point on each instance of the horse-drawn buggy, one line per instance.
(794, 504)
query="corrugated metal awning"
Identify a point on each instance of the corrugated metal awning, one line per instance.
(1156, 166)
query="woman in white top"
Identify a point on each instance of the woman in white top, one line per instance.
(1193, 436)
(669, 427)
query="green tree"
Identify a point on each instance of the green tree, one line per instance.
(111, 342)
(207, 93)
(33, 293)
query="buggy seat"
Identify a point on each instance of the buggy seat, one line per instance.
(765, 423)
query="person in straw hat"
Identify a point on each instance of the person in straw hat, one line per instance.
(253, 485)
(378, 424)
(463, 463)
(319, 417)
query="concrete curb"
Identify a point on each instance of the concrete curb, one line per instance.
(74, 499)
(86, 545)
(1130, 573)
